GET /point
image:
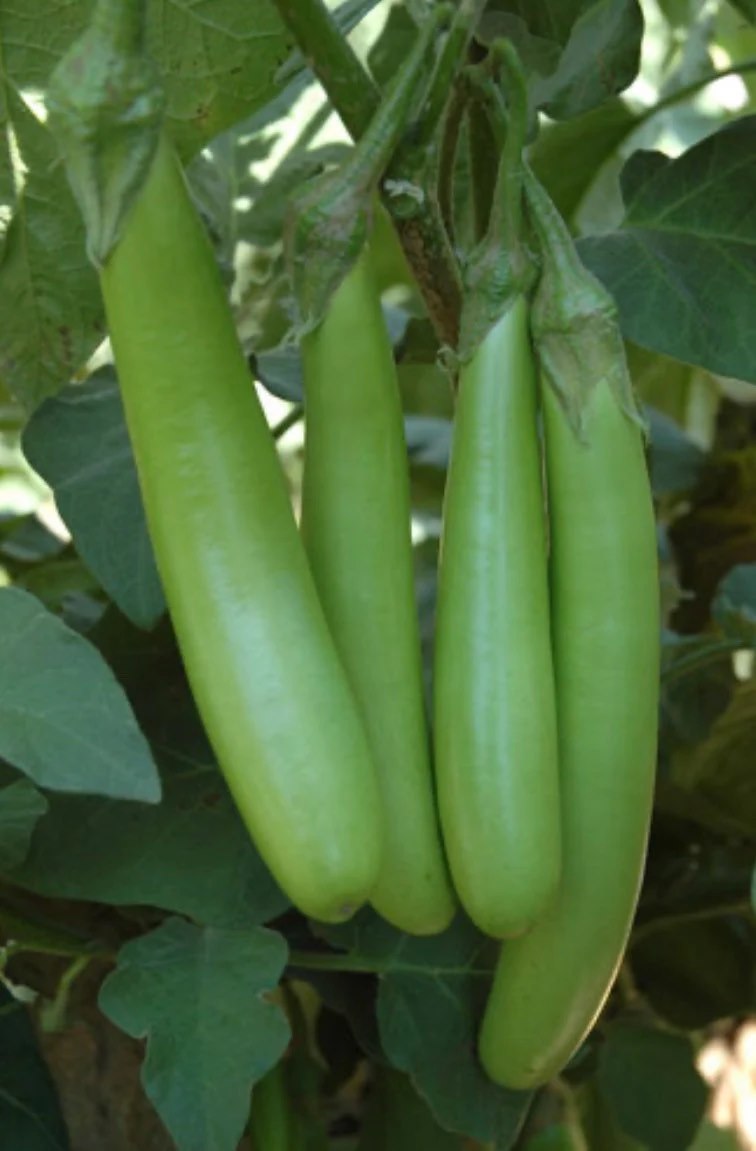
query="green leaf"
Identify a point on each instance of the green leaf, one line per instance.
(697, 687)
(29, 541)
(64, 719)
(683, 266)
(190, 854)
(79, 443)
(216, 71)
(610, 30)
(428, 440)
(430, 998)
(51, 307)
(30, 1118)
(561, 43)
(746, 8)
(280, 371)
(558, 1137)
(734, 605)
(694, 974)
(21, 807)
(650, 1078)
(676, 462)
(568, 156)
(711, 1138)
(720, 769)
(198, 995)
(600, 1123)
(397, 1119)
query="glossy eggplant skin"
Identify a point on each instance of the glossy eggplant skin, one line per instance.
(550, 986)
(494, 702)
(356, 528)
(262, 666)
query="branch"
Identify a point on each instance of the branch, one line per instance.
(698, 915)
(355, 98)
(348, 85)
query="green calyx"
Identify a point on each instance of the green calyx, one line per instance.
(330, 221)
(105, 105)
(573, 318)
(500, 268)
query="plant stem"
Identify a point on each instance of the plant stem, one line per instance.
(348, 85)
(452, 54)
(447, 157)
(356, 99)
(484, 153)
(713, 653)
(688, 90)
(339, 961)
(699, 915)
(288, 421)
(506, 215)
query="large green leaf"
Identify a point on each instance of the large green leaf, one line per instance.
(217, 69)
(431, 993)
(650, 1078)
(49, 298)
(580, 52)
(198, 995)
(64, 719)
(683, 266)
(21, 807)
(190, 853)
(568, 156)
(78, 442)
(694, 974)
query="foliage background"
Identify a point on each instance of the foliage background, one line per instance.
(146, 936)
